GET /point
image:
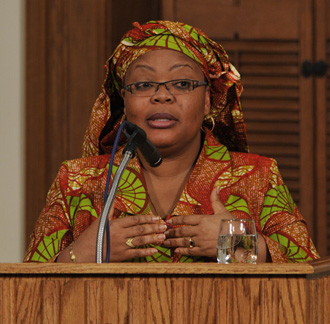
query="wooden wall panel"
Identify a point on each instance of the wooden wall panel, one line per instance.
(66, 78)
(252, 19)
(322, 120)
(306, 111)
(36, 92)
(84, 59)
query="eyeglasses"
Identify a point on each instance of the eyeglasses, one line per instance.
(175, 87)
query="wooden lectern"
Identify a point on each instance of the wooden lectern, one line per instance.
(165, 293)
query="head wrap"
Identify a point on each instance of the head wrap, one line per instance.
(224, 80)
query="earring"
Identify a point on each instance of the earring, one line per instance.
(207, 118)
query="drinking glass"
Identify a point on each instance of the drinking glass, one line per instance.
(237, 241)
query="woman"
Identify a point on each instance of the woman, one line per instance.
(179, 86)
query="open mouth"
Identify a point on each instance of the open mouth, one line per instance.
(161, 120)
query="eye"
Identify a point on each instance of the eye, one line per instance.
(182, 84)
(143, 86)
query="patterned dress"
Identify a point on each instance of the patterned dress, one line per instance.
(251, 187)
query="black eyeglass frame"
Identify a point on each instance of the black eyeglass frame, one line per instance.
(196, 84)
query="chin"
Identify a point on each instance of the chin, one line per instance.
(162, 145)
(161, 139)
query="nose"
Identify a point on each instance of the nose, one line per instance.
(162, 94)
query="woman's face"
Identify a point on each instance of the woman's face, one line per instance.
(172, 122)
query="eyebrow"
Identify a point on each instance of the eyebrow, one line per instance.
(175, 66)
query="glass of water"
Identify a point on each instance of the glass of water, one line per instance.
(237, 241)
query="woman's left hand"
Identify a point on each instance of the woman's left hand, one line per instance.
(201, 231)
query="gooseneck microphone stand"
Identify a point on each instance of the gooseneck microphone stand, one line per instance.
(136, 136)
(128, 154)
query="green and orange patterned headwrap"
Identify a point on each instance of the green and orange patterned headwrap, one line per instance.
(224, 80)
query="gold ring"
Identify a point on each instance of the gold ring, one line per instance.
(191, 243)
(130, 243)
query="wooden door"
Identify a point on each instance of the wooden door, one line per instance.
(268, 41)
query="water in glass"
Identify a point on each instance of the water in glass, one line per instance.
(237, 241)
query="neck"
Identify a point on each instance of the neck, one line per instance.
(173, 164)
(169, 179)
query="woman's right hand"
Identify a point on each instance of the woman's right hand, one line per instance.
(138, 231)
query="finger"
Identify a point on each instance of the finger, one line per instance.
(187, 251)
(184, 220)
(134, 220)
(145, 240)
(112, 209)
(140, 253)
(217, 205)
(180, 242)
(182, 231)
(145, 229)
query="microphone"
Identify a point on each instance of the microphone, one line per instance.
(149, 151)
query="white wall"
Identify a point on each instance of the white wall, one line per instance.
(11, 130)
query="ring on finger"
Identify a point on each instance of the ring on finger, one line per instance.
(129, 242)
(191, 243)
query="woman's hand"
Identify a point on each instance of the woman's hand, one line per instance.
(203, 230)
(129, 235)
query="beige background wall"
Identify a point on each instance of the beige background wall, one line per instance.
(11, 130)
